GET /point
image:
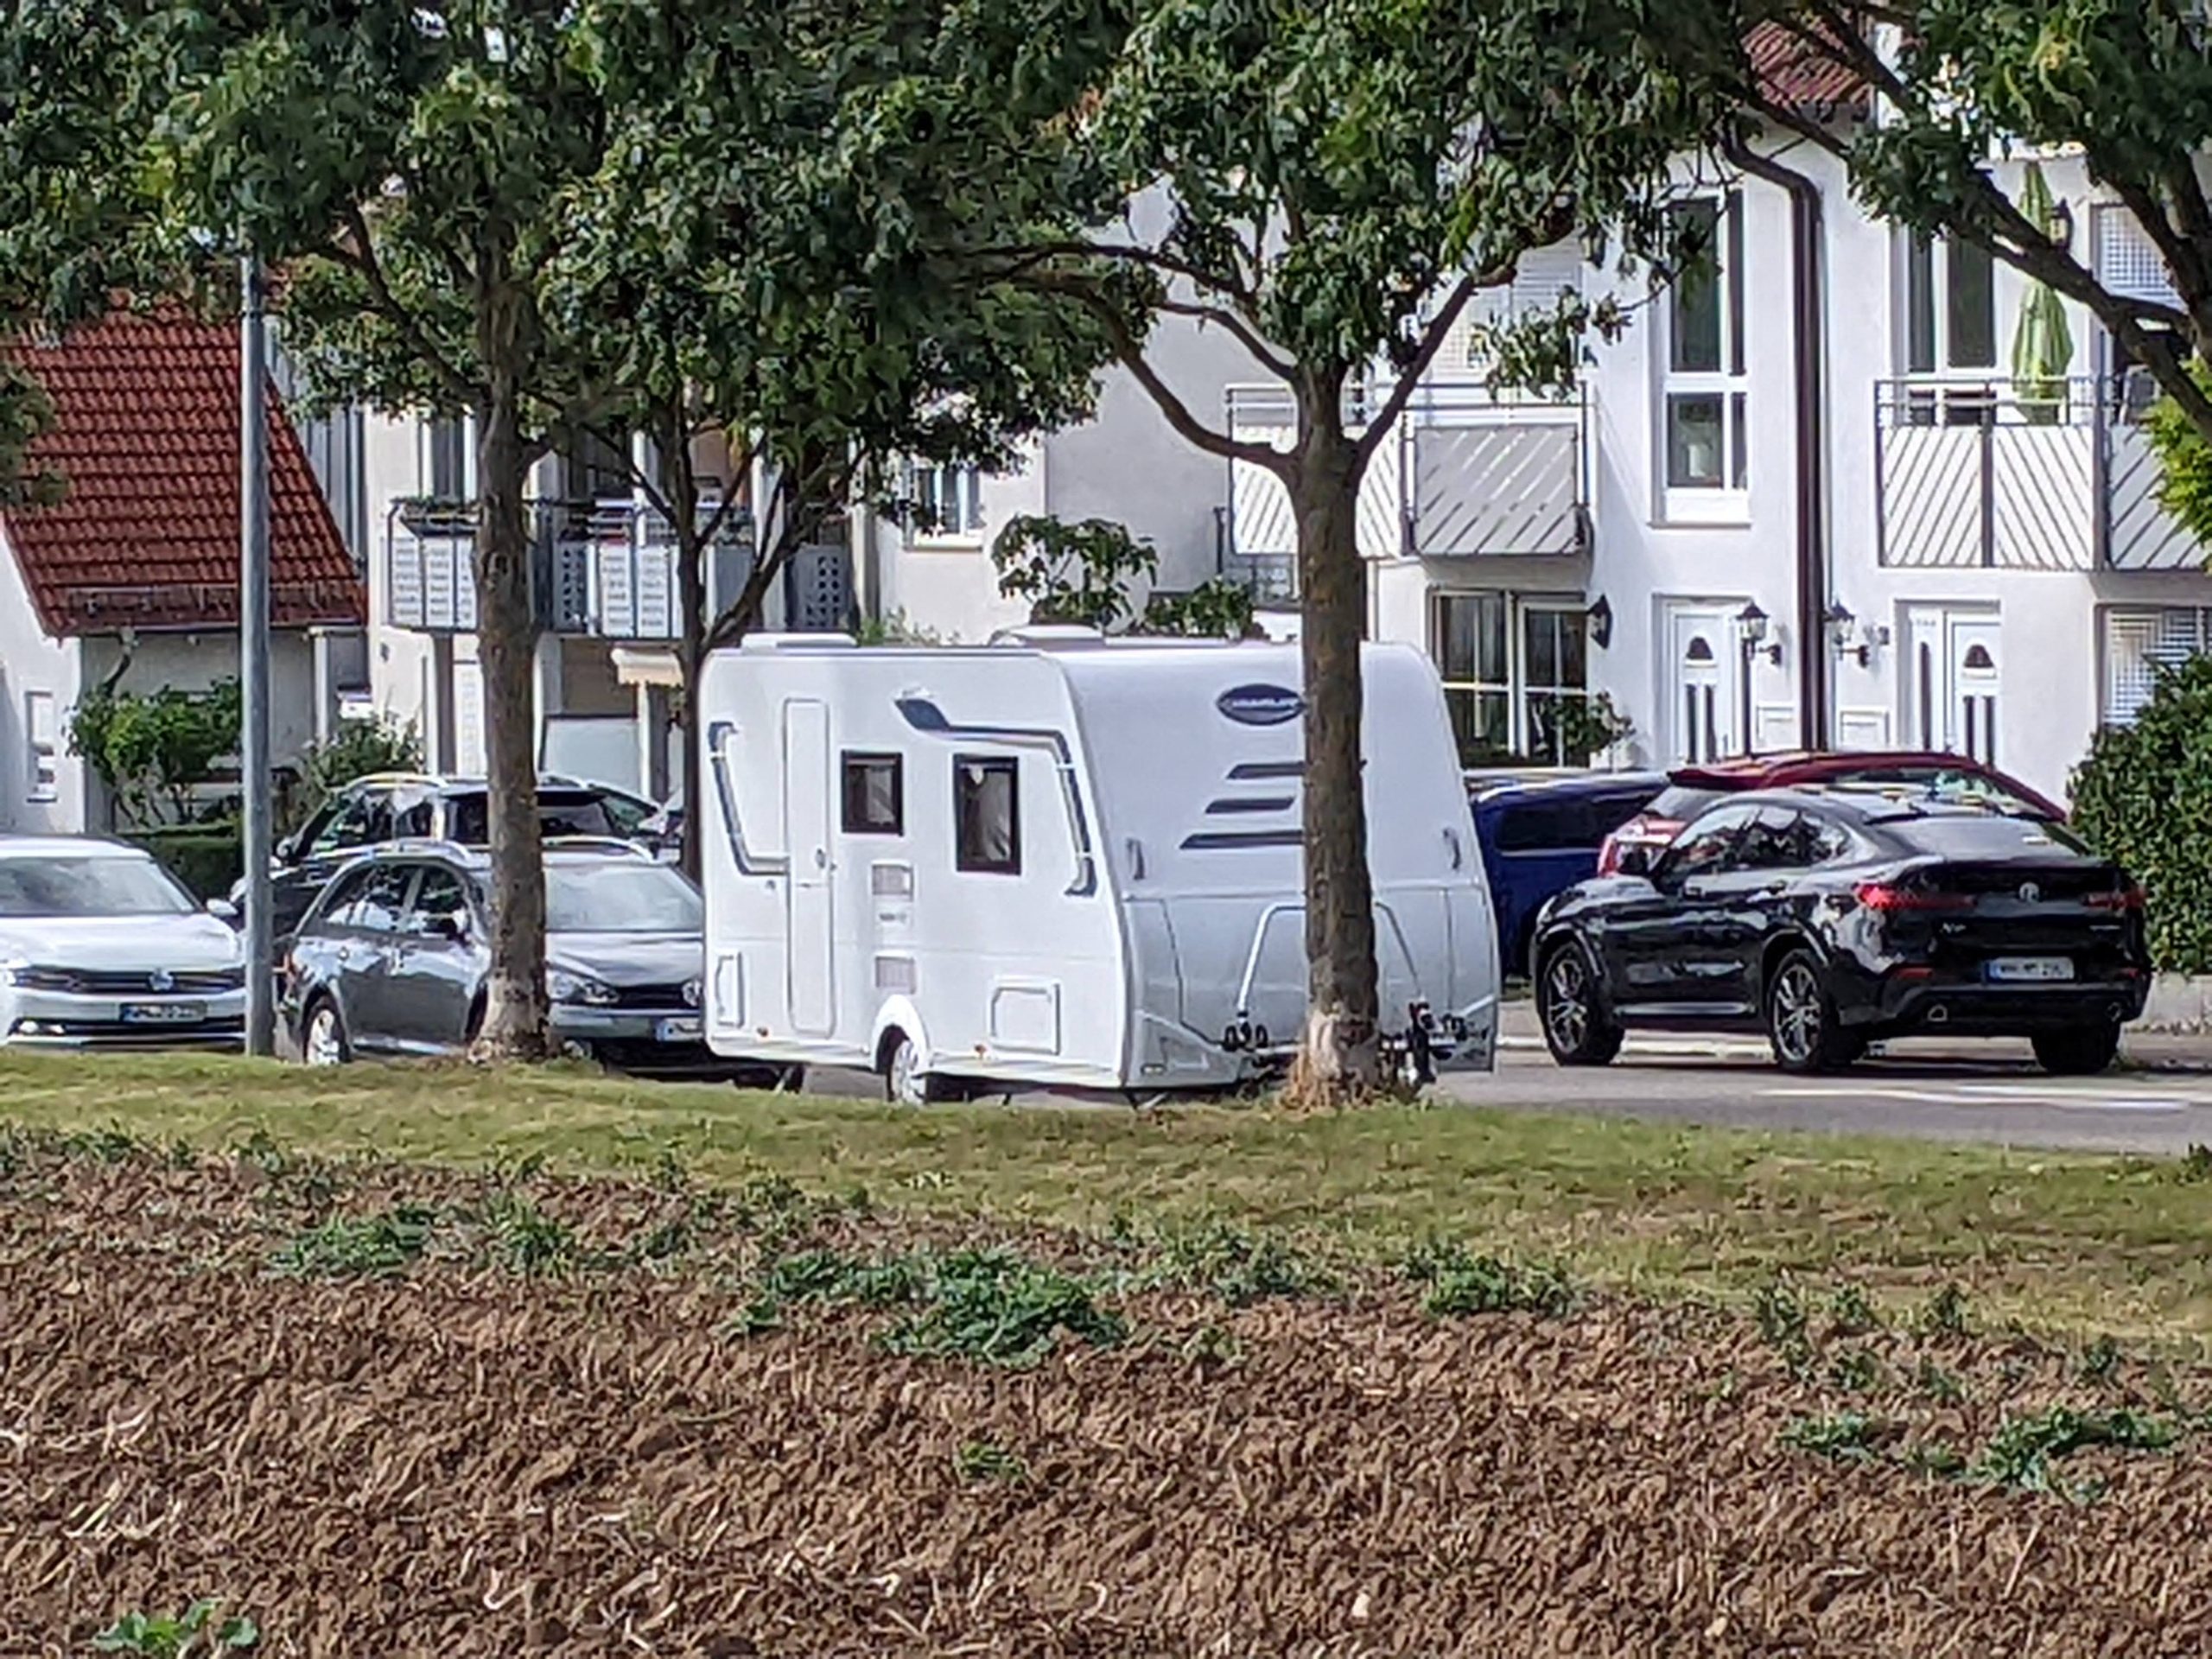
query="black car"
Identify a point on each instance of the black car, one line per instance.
(371, 811)
(1835, 919)
(392, 959)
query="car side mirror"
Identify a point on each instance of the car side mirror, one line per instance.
(452, 927)
(223, 911)
(1635, 860)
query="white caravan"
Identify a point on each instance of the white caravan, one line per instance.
(1063, 860)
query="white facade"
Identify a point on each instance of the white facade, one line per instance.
(43, 788)
(1126, 464)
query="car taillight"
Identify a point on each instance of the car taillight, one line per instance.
(2127, 898)
(1888, 899)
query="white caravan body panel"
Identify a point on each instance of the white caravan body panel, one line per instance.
(1079, 865)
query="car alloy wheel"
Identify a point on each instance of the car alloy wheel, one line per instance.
(1798, 1017)
(324, 1043)
(1570, 1006)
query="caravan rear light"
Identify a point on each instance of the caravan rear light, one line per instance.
(1890, 899)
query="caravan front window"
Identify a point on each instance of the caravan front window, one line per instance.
(987, 807)
(875, 792)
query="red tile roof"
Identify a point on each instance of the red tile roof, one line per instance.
(1790, 71)
(146, 439)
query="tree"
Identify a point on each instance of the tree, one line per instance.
(2126, 84)
(756, 304)
(407, 166)
(1084, 573)
(2143, 797)
(1331, 184)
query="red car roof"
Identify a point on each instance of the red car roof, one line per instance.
(1780, 770)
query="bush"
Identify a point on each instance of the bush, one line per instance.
(2144, 798)
(152, 749)
(360, 748)
(207, 857)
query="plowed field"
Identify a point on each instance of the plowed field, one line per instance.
(384, 1411)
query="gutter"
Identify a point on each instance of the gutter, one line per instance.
(1808, 309)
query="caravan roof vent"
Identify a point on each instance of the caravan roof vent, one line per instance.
(1049, 636)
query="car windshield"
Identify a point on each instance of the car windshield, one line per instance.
(619, 896)
(563, 813)
(100, 886)
(1959, 836)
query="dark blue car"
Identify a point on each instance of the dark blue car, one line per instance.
(1540, 834)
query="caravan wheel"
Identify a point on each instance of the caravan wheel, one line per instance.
(904, 1084)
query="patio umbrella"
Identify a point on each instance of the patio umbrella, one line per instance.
(2043, 345)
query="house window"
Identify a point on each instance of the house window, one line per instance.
(948, 502)
(1509, 666)
(1950, 326)
(1703, 398)
(986, 815)
(875, 795)
(445, 458)
(2137, 644)
(43, 782)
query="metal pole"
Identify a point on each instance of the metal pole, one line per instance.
(253, 655)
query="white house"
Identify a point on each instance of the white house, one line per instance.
(132, 577)
(1878, 540)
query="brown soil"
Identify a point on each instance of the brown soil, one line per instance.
(464, 1460)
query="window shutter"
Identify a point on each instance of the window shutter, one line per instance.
(1542, 276)
(2137, 644)
(2128, 262)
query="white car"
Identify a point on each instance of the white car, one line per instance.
(101, 948)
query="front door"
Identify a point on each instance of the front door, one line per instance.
(1700, 690)
(807, 784)
(1955, 682)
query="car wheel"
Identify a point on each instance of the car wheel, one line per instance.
(323, 1035)
(2077, 1050)
(1801, 1020)
(1570, 1004)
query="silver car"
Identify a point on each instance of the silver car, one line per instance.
(101, 947)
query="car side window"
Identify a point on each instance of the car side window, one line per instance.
(345, 899)
(1708, 846)
(440, 894)
(1825, 840)
(364, 821)
(383, 898)
(1774, 840)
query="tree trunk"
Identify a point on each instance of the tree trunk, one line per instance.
(515, 1011)
(1338, 1059)
(690, 655)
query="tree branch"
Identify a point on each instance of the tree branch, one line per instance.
(1131, 350)
(1247, 336)
(363, 258)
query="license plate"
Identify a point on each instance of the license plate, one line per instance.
(678, 1030)
(163, 1013)
(2031, 970)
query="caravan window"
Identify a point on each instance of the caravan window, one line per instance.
(876, 795)
(987, 806)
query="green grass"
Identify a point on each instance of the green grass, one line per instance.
(2079, 1242)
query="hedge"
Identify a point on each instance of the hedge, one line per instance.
(205, 857)
(2144, 798)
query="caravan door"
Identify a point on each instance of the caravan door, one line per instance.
(811, 960)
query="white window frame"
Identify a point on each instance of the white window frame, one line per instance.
(1728, 500)
(1961, 391)
(1517, 688)
(41, 748)
(930, 485)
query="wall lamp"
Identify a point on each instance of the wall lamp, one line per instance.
(1848, 637)
(1601, 623)
(1750, 629)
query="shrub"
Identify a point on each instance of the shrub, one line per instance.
(2021, 1452)
(2144, 798)
(360, 748)
(205, 857)
(152, 749)
(370, 1247)
(191, 1632)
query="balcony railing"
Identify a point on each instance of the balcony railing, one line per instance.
(604, 569)
(1972, 473)
(1464, 473)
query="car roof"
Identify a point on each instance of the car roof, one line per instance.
(1866, 803)
(584, 849)
(1493, 786)
(67, 847)
(1791, 766)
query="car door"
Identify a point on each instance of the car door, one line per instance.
(1738, 905)
(437, 965)
(1665, 942)
(365, 957)
(331, 841)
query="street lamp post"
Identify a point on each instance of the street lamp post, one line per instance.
(253, 654)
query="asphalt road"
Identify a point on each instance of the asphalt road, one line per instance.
(1986, 1091)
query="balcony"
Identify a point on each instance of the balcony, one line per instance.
(1971, 474)
(604, 569)
(1465, 474)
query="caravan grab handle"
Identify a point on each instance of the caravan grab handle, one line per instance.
(749, 862)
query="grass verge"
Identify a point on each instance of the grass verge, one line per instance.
(2112, 1243)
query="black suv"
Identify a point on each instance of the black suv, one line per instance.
(406, 806)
